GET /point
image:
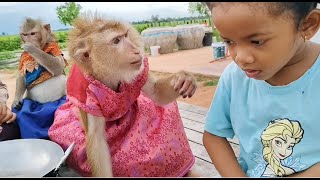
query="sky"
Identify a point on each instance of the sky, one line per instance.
(13, 13)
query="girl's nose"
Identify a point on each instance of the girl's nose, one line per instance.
(243, 57)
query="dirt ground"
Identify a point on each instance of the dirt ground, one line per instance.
(202, 97)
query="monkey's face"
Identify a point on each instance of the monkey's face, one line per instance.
(116, 51)
(109, 50)
(33, 36)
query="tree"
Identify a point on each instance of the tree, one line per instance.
(68, 12)
(155, 18)
(200, 8)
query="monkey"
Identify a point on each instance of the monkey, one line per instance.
(115, 102)
(41, 78)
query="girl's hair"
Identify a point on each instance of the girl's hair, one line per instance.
(299, 10)
(279, 128)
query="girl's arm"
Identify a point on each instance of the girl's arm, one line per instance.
(3, 93)
(222, 156)
(313, 171)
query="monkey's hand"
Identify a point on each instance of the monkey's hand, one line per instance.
(184, 83)
(167, 89)
(54, 64)
(29, 47)
(17, 103)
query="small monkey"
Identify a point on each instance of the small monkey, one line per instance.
(123, 120)
(41, 80)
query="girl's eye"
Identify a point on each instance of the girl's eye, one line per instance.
(116, 40)
(257, 42)
(227, 42)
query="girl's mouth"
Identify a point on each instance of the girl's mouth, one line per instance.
(252, 73)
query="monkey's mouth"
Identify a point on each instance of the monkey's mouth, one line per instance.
(136, 62)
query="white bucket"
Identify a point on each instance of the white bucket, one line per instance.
(155, 50)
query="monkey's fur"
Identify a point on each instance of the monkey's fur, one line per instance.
(112, 52)
(34, 36)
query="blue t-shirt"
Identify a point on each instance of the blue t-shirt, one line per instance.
(277, 126)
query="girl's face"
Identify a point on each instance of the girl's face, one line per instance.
(259, 43)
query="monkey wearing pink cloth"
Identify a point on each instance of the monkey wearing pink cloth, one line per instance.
(145, 139)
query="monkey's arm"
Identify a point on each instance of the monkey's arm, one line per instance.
(166, 89)
(98, 152)
(54, 64)
(20, 90)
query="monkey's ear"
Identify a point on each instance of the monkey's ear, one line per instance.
(47, 27)
(82, 52)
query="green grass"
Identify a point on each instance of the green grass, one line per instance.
(200, 78)
(7, 55)
(63, 45)
(10, 68)
(8, 36)
(213, 82)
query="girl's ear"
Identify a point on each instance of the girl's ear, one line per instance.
(311, 24)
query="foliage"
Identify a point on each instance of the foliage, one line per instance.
(216, 33)
(155, 18)
(201, 8)
(10, 43)
(62, 36)
(198, 7)
(140, 27)
(68, 12)
(7, 55)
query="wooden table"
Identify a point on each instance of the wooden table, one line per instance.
(193, 118)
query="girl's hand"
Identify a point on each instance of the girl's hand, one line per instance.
(6, 116)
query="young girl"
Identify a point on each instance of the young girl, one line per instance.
(9, 128)
(269, 96)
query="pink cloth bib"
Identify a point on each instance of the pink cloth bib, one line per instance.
(145, 140)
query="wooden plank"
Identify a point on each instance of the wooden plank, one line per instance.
(199, 127)
(196, 114)
(193, 108)
(196, 137)
(199, 151)
(193, 116)
(205, 169)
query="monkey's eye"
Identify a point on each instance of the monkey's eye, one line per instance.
(24, 34)
(33, 33)
(116, 40)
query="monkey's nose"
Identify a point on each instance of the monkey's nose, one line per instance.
(137, 52)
